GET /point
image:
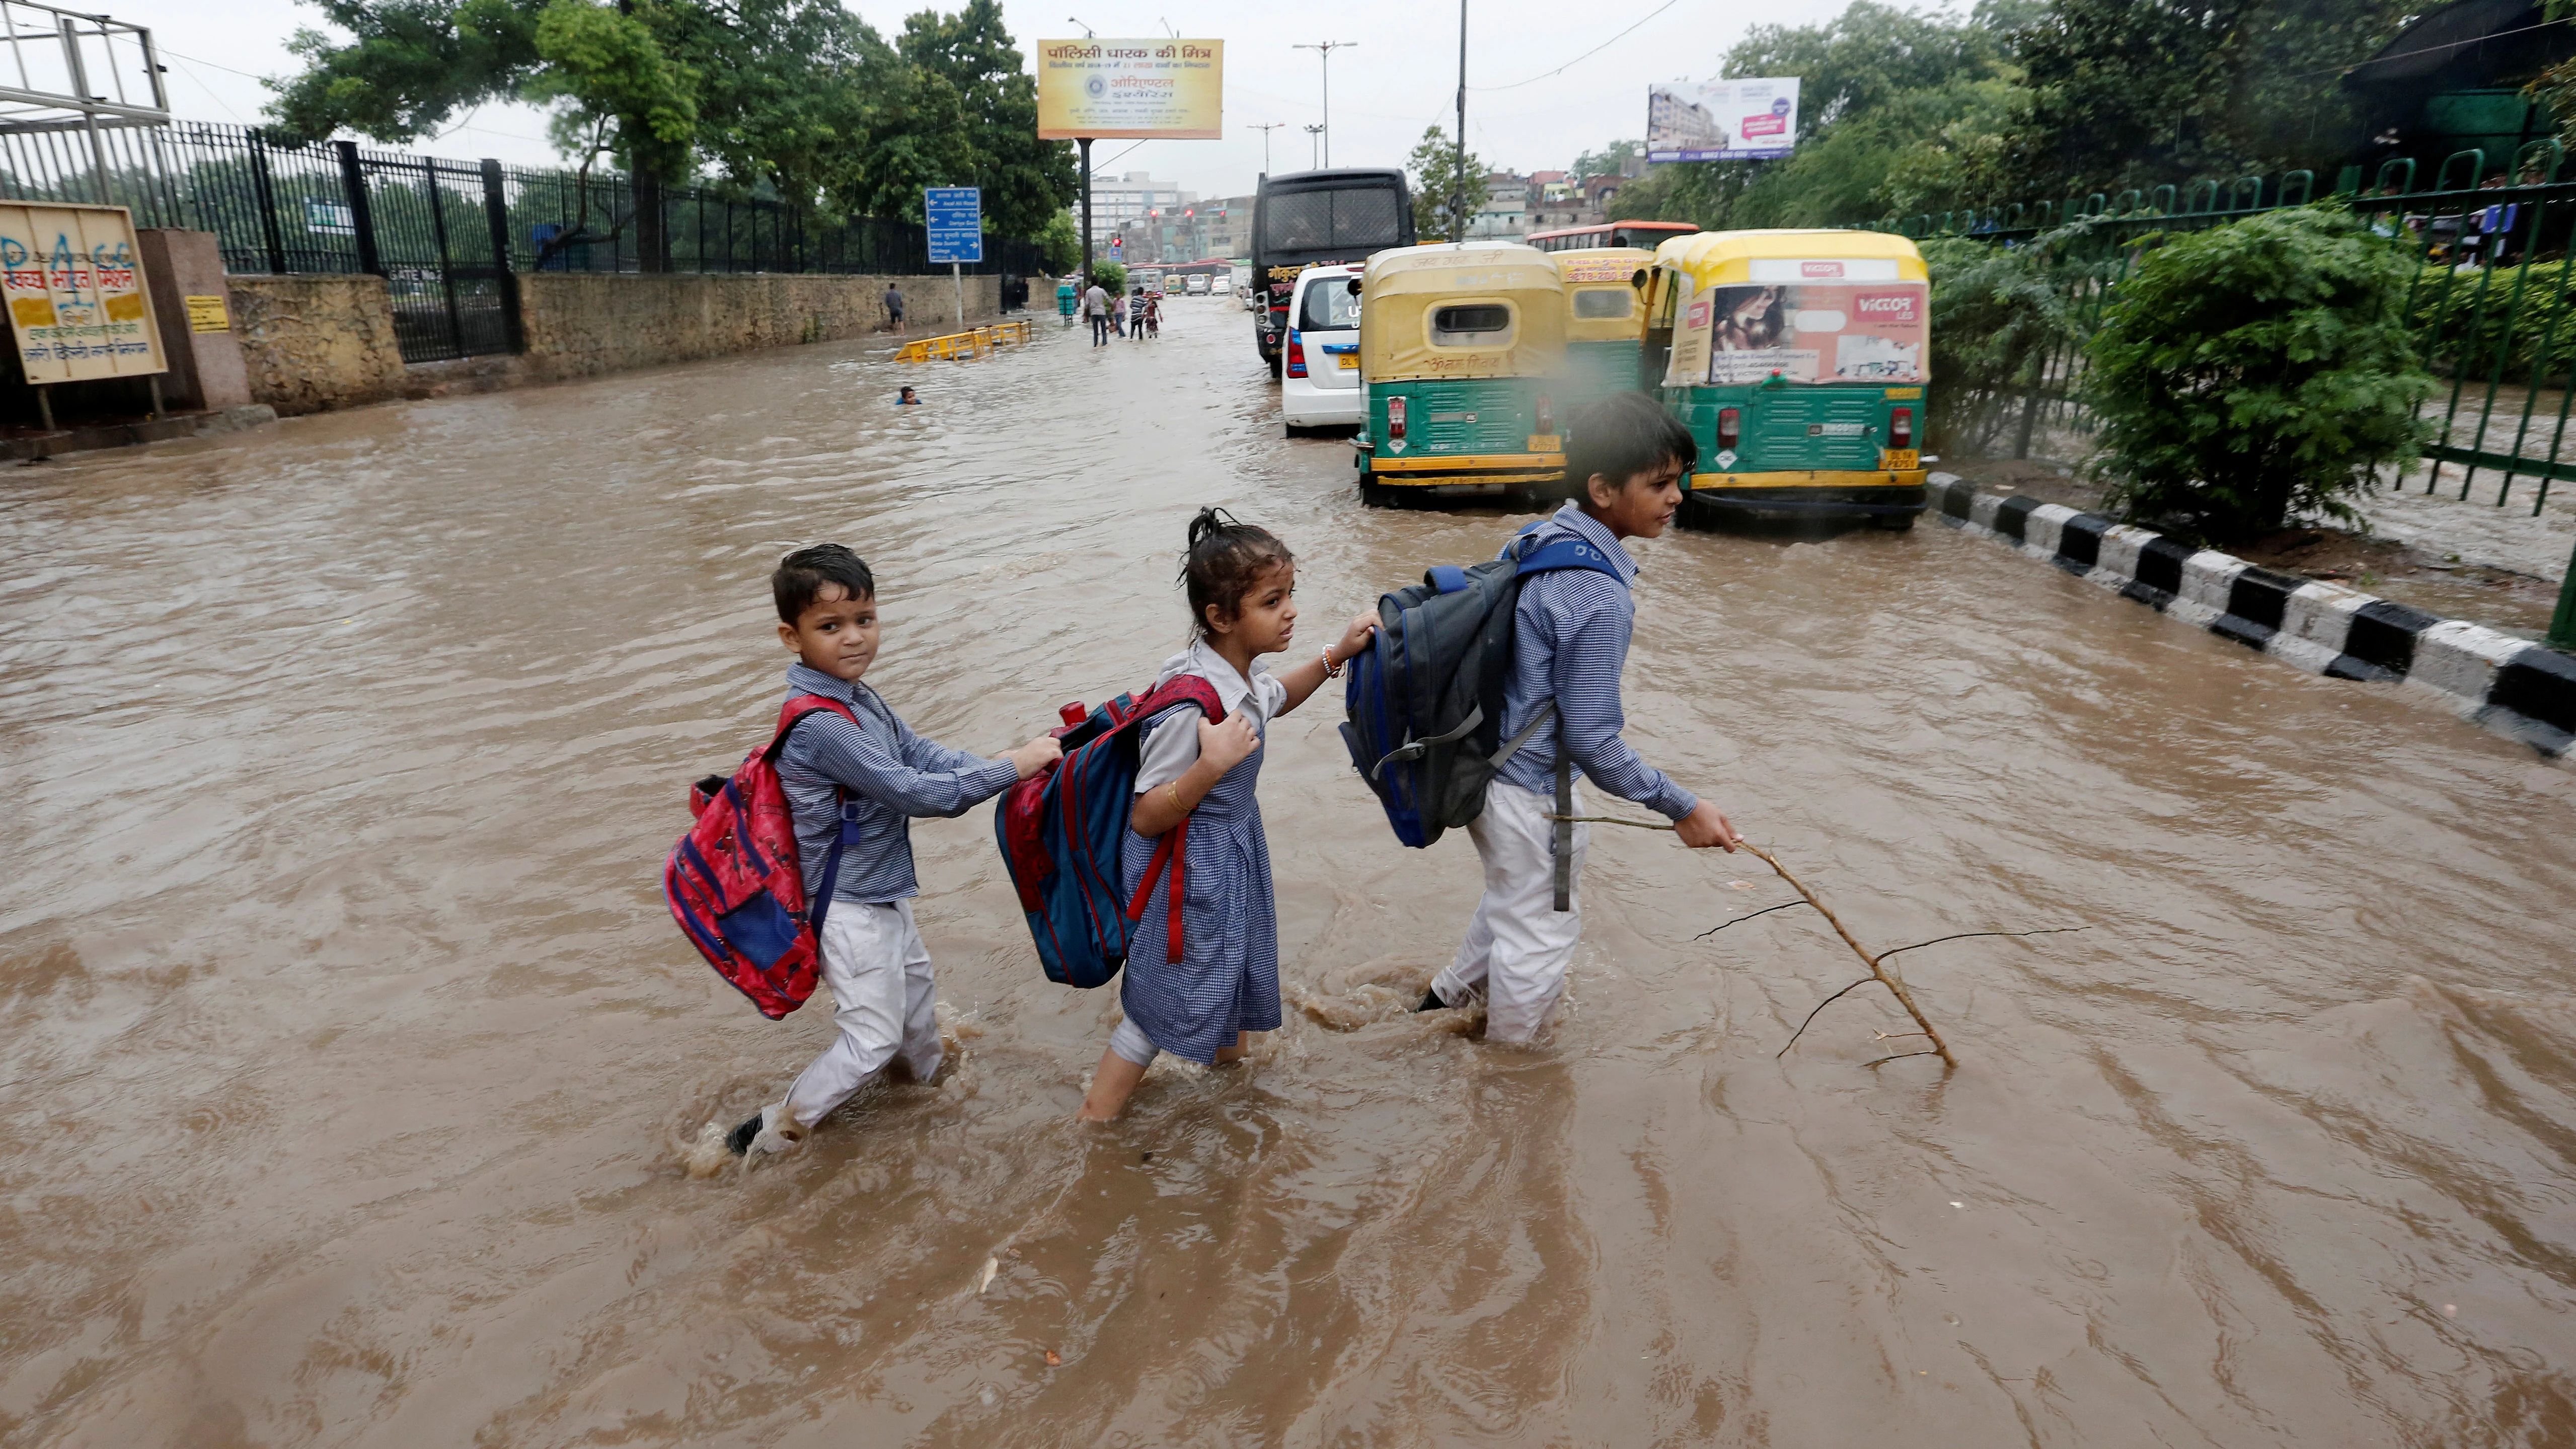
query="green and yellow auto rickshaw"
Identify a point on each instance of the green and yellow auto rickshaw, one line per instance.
(1798, 360)
(1604, 322)
(1461, 349)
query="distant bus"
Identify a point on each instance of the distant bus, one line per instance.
(1647, 234)
(1313, 219)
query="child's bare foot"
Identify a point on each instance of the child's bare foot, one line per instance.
(1112, 1083)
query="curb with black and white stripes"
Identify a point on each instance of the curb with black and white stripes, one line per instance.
(2516, 688)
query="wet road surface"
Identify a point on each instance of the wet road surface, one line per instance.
(351, 1061)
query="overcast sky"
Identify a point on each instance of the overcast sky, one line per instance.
(1400, 78)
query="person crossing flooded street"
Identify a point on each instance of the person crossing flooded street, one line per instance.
(1562, 705)
(861, 778)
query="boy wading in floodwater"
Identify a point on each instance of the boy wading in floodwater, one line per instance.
(877, 775)
(1199, 777)
(1626, 457)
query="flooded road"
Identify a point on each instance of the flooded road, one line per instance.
(351, 1060)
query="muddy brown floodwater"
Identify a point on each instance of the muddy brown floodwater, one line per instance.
(349, 1060)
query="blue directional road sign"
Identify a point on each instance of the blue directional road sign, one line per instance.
(956, 217)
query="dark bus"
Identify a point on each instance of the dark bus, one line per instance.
(1317, 219)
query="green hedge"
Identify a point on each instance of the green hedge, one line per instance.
(2459, 319)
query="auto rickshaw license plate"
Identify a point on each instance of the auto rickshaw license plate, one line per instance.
(1900, 459)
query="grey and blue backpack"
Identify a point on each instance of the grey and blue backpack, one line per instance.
(1426, 699)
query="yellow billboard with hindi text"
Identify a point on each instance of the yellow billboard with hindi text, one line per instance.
(77, 307)
(1172, 90)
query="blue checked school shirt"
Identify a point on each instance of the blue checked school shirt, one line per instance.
(1569, 642)
(891, 775)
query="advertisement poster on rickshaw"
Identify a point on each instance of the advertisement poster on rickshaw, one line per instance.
(1820, 332)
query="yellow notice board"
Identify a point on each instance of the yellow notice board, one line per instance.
(1167, 89)
(77, 308)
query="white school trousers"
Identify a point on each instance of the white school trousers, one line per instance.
(1518, 945)
(883, 1000)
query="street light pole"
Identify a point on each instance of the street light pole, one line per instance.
(1265, 128)
(1326, 49)
(1314, 137)
(1458, 196)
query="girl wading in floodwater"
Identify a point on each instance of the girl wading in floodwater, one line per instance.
(1199, 777)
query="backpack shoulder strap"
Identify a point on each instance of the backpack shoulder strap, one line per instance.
(1568, 552)
(1182, 689)
(794, 712)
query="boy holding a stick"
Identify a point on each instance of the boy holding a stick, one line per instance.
(1626, 458)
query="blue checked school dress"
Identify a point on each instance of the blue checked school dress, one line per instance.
(1227, 979)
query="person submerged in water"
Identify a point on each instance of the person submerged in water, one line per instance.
(907, 398)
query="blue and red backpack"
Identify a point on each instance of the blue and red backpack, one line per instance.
(1061, 831)
(734, 883)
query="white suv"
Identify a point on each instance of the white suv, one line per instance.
(1319, 385)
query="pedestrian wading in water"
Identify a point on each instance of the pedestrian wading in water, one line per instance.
(1626, 457)
(862, 782)
(1199, 778)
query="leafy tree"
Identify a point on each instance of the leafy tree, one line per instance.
(796, 96)
(965, 77)
(1439, 172)
(2253, 372)
(1870, 54)
(1060, 244)
(1608, 160)
(1893, 105)
(2149, 90)
(1998, 315)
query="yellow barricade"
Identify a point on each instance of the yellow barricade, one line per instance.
(959, 346)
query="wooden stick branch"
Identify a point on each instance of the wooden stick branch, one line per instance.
(1893, 982)
(1878, 971)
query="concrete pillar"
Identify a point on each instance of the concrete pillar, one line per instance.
(203, 349)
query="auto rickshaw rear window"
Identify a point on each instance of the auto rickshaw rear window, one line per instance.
(1476, 325)
(1605, 303)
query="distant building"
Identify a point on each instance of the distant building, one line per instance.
(1228, 222)
(1504, 214)
(1131, 198)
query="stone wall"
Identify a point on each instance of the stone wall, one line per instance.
(311, 343)
(580, 324)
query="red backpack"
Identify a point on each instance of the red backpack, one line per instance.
(734, 882)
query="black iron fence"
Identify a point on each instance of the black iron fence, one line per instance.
(2492, 305)
(283, 207)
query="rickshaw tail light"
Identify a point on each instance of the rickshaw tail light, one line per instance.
(1296, 356)
(1395, 418)
(1730, 426)
(1900, 429)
